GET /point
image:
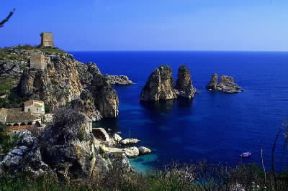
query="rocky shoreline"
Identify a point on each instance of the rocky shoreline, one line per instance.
(77, 94)
(69, 148)
(120, 80)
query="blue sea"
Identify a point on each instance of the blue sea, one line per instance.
(214, 127)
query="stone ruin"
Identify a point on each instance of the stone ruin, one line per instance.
(38, 61)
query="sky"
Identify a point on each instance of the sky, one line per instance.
(108, 25)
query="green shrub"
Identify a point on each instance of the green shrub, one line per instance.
(7, 141)
(197, 177)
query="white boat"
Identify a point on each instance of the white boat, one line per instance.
(246, 155)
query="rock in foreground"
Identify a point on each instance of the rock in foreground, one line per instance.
(144, 150)
(226, 84)
(159, 86)
(184, 87)
(67, 149)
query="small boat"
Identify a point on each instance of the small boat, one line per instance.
(246, 155)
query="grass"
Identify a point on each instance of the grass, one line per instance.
(7, 141)
(198, 177)
(12, 53)
(6, 85)
(51, 50)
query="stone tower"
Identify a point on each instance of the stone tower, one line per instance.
(47, 39)
(38, 61)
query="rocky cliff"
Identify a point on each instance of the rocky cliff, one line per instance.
(105, 97)
(61, 81)
(184, 87)
(57, 85)
(159, 86)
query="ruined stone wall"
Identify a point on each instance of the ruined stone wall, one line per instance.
(38, 61)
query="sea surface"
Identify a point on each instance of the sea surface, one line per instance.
(214, 127)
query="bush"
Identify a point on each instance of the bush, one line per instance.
(197, 177)
(7, 141)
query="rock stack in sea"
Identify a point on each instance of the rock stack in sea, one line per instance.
(226, 84)
(184, 87)
(160, 85)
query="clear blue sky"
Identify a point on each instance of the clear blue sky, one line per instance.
(149, 24)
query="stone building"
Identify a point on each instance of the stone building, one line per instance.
(18, 119)
(35, 107)
(38, 61)
(47, 39)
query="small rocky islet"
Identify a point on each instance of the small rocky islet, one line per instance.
(75, 94)
(226, 84)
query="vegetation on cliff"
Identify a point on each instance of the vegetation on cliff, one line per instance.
(198, 177)
(7, 141)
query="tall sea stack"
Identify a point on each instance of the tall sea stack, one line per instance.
(184, 87)
(159, 86)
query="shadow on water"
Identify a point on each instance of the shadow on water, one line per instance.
(184, 102)
(158, 107)
(110, 125)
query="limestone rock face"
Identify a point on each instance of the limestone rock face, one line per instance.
(159, 86)
(70, 147)
(25, 157)
(212, 85)
(144, 150)
(129, 141)
(184, 85)
(87, 72)
(66, 148)
(226, 84)
(131, 152)
(61, 80)
(117, 138)
(85, 104)
(119, 80)
(57, 85)
(105, 97)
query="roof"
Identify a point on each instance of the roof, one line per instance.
(31, 102)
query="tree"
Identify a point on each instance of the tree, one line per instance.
(6, 19)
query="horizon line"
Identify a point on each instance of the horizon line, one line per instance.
(280, 51)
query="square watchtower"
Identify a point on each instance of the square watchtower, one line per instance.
(47, 39)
